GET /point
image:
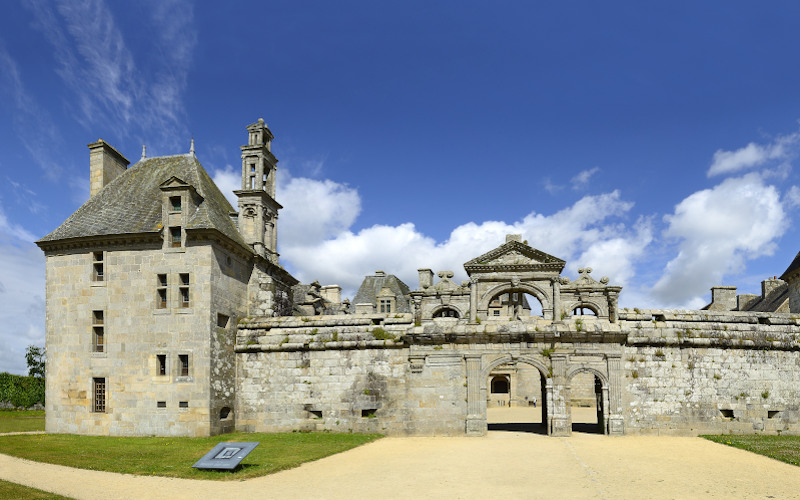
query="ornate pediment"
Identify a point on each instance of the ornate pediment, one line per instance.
(174, 182)
(514, 256)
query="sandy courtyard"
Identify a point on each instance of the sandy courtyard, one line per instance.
(501, 465)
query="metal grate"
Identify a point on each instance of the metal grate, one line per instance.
(100, 395)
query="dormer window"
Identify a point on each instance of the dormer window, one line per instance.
(385, 306)
(175, 237)
(175, 203)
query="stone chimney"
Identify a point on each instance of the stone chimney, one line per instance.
(769, 285)
(332, 293)
(723, 298)
(513, 237)
(425, 278)
(105, 163)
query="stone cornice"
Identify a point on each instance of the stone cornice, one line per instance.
(99, 241)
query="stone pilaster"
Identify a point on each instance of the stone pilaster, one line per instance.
(476, 414)
(616, 422)
(561, 424)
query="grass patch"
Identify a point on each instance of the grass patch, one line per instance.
(783, 448)
(21, 421)
(174, 457)
(19, 492)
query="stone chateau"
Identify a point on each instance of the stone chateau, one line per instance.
(168, 313)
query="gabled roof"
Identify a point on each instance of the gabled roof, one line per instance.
(793, 270)
(132, 202)
(372, 286)
(514, 256)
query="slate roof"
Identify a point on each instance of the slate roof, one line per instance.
(372, 285)
(131, 203)
(792, 269)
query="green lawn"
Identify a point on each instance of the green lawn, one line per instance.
(19, 492)
(20, 421)
(174, 457)
(783, 448)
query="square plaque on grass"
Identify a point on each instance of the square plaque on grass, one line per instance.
(225, 456)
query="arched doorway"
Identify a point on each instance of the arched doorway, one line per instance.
(517, 398)
(587, 402)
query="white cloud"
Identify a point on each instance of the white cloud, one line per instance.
(228, 180)
(581, 180)
(792, 197)
(315, 209)
(752, 155)
(22, 295)
(108, 85)
(718, 230)
(345, 258)
(550, 187)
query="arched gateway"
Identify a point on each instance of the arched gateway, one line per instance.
(557, 344)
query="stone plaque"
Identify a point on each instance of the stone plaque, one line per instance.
(225, 456)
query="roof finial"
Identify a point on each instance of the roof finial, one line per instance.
(144, 152)
(191, 149)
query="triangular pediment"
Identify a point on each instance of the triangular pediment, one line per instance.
(174, 182)
(517, 256)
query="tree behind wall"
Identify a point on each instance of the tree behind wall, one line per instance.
(35, 357)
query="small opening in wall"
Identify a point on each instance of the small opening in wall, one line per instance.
(369, 413)
(318, 414)
(727, 413)
(763, 321)
(162, 364)
(161, 404)
(183, 360)
(222, 321)
(772, 413)
(376, 321)
(659, 317)
(183, 404)
(224, 413)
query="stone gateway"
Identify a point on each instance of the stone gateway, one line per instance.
(168, 313)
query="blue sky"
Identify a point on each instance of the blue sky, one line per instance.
(656, 143)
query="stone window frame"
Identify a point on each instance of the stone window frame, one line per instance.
(176, 204)
(183, 369)
(98, 267)
(162, 368)
(99, 395)
(184, 290)
(385, 305)
(176, 239)
(162, 296)
(98, 331)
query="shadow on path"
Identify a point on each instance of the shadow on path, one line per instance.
(519, 427)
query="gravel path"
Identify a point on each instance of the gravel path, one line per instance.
(501, 465)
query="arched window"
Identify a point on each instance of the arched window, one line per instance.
(514, 304)
(446, 312)
(583, 310)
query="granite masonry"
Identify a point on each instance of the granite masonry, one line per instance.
(168, 313)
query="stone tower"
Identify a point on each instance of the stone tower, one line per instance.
(258, 210)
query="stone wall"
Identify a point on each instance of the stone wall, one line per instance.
(139, 401)
(696, 372)
(665, 372)
(342, 374)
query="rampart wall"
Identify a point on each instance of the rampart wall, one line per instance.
(664, 372)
